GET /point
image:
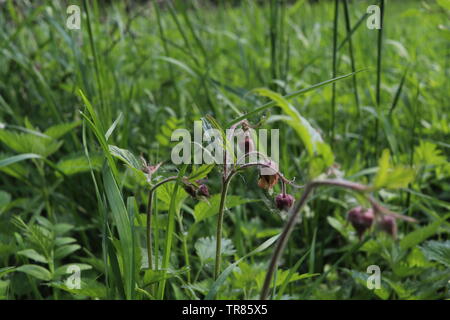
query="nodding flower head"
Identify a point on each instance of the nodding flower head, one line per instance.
(203, 191)
(284, 201)
(197, 192)
(190, 190)
(389, 225)
(361, 219)
(247, 144)
(149, 169)
(245, 140)
(268, 177)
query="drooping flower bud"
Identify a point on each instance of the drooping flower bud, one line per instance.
(203, 191)
(190, 190)
(361, 219)
(388, 225)
(284, 201)
(245, 141)
(269, 175)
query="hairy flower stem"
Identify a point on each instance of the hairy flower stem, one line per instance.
(223, 198)
(294, 212)
(149, 219)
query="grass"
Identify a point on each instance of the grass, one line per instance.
(78, 108)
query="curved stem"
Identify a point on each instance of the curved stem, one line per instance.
(289, 226)
(225, 184)
(256, 164)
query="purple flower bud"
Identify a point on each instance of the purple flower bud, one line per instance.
(284, 201)
(190, 189)
(361, 219)
(388, 225)
(203, 191)
(245, 143)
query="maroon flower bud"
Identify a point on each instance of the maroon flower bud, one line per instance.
(245, 142)
(388, 225)
(361, 219)
(284, 201)
(190, 189)
(203, 191)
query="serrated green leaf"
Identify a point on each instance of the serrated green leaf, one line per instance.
(417, 236)
(437, 251)
(206, 248)
(209, 208)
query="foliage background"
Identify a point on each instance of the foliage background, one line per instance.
(58, 207)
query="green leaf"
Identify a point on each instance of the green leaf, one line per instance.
(170, 230)
(281, 277)
(36, 271)
(392, 177)
(201, 172)
(20, 157)
(165, 192)
(206, 248)
(33, 254)
(66, 269)
(154, 276)
(6, 270)
(361, 278)
(29, 143)
(445, 4)
(320, 153)
(209, 208)
(5, 199)
(122, 221)
(66, 250)
(383, 167)
(417, 236)
(60, 130)
(126, 156)
(79, 164)
(113, 126)
(437, 251)
(88, 288)
(290, 96)
(224, 275)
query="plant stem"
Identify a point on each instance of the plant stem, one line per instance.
(223, 198)
(333, 88)
(378, 84)
(149, 219)
(295, 210)
(289, 227)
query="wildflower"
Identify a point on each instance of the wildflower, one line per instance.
(284, 201)
(149, 169)
(246, 144)
(269, 175)
(190, 190)
(203, 191)
(361, 219)
(197, 192)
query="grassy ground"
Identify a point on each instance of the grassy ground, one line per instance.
(78, 107)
